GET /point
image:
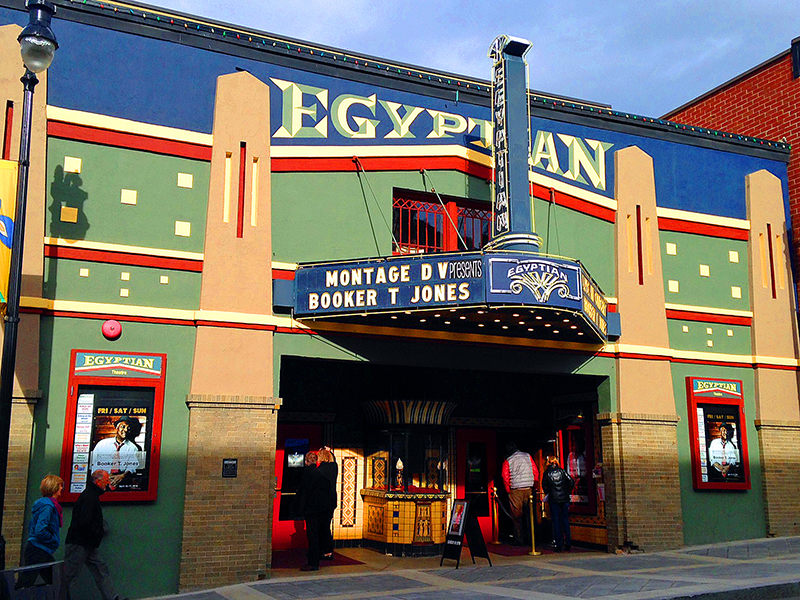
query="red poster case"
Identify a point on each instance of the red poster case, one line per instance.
(717, 434)
(115, 404)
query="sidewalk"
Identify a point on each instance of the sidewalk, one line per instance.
(754, 569)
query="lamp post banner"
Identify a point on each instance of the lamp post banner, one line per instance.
(8, 204)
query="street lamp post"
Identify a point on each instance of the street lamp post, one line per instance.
(37, 46)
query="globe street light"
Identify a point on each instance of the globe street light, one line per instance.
(37, 44)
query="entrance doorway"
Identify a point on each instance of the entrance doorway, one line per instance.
(294, 441)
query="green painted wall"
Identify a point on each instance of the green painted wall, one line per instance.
(714, 290)
(714, 516)
(144, 543)
(569, 233)
(96, 193)
(337, 216)
(695, 336)
(104, 283)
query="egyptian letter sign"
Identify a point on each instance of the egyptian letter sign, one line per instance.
(117, 365)
(389, 284)
(8, 189)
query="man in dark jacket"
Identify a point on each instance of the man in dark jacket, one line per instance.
(557, 484)
(313, 500)
(84, 535)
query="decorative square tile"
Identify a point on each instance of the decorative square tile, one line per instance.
(164, 279)
(84, 272)
(128, 196)
(69, 214)
(673, 286)
(672, 249)
(183, 228)
(124, 292)
(733, 256)
(736, 291)
(125, 276)
(72, 164)
(705, 271)
(185, 180)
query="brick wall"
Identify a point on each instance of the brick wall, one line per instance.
(779, 443)
(764, 104)
(228, 521)
(19, 455)
(640, 468)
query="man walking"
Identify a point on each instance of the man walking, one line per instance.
(520, 474)
(84, 535)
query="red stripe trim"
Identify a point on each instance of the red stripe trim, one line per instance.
(281, 274)
(119, 139)
(685, 315)
(720, 231)
(578, 204)
(123, 258)
(382, 163)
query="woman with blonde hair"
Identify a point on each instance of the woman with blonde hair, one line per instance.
(44, 531)
(326, 463)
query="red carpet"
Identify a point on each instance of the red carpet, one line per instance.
(294, 559)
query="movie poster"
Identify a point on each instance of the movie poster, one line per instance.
(113, 433)
(719, 443)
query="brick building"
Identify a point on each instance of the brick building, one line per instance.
(760, 102)
(306, 246)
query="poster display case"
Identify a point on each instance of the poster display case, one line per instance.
(718, 435)
(113, 423)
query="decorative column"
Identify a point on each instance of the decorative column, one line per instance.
(228, 519)
(640, 449)
(774, 344)
(26, 391)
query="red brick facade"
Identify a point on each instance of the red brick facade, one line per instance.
(764, 103)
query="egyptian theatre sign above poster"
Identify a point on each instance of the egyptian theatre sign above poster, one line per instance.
(506, 288)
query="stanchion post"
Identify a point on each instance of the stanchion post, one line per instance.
(531, 501)
(495, 516)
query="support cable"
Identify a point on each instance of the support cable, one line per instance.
(360, 169)
(444, 208)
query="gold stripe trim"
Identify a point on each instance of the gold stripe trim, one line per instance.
(87, 245)
(79, 117)
(577, 192)
(380, 151)
(730, 312)
(685, 215)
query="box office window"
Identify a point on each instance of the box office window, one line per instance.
(421, 223)
(113, 424)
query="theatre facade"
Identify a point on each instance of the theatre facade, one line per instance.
(245, 246)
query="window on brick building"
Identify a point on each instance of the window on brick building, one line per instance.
(423, 224)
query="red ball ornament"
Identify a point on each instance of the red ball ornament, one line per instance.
(112, 329)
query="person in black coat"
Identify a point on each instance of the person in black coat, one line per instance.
(328, 467)
(313, 500)
(557, 484)
(85, 533)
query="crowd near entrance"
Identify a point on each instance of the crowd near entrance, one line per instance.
(434, 436)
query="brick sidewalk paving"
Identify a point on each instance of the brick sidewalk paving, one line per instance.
(764, 569)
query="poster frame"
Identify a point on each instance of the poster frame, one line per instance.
(157, 383)
(697, 399)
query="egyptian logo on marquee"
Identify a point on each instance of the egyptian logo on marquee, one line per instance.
(541, 277)
(717, 388)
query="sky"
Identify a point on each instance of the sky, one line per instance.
(641, 56)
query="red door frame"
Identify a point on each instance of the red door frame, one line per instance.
(488, 437)
(287, 535)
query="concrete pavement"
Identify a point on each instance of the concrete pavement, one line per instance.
(754, 569)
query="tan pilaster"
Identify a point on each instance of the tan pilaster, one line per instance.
(232, 412)
(26, 384)
(640, 453)
(774, 340)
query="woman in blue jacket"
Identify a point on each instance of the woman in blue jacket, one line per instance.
(44, 531)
